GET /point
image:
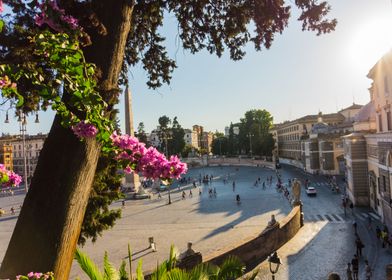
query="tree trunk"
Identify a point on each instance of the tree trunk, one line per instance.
(49, 224)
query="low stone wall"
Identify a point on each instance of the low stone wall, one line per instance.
(256, 249)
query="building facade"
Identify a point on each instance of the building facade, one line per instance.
(191, 138)
(314, 142)
(32, 149)
(379, 144)
(6, 156)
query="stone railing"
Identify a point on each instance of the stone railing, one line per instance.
(255, 249)
(209, 161)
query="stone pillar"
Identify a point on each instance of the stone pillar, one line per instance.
(131, 180)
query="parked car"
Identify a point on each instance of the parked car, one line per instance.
(163, 187)
(311, 191)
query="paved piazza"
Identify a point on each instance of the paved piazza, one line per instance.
(210, 223)
(324, 244)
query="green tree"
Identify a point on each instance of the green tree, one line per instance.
(141, 133)
(233, 143)
(254, 132)
(177, 142)
(117, 35)
(220, 144)
(164, 134)
(188, 149)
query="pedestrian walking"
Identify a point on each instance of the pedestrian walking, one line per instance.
(12, 210)
(199, 191)
(355, 267)
(238, 199)
(384, 238)
(359, 245)
(369, 222)
(159, 195)
(368, 270)
(183, 194)
(386, 229)
(378, 232)
(352, 208)
(190, 193)
(123, 203)
(355, 227)
(349, 272)
(233, 186)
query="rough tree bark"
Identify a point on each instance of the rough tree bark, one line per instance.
(49, 224)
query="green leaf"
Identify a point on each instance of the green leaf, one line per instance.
(110, 271)
(1, 25)
(139, 271)
(88, 266)
(130, 260)
(123, 272)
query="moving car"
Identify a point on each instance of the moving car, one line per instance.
(311, 191)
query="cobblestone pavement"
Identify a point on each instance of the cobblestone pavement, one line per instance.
(324, 244)
(210, 223)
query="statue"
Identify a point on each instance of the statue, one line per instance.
(272, 222)
(296, 192)
(188, 252)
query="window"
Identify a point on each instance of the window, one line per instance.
(386, 87)
(379, 122)
(384, 183)
(389, 120)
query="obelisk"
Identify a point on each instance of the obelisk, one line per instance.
(131, 180)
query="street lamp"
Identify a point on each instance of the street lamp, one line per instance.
(165, 133)
(22, 129)
(250, 143)
(273, 259)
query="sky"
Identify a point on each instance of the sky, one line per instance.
(300, 74)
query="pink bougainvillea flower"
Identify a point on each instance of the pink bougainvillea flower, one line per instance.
(85, 130)
(1, 6)
(147, 161)
(9, 178)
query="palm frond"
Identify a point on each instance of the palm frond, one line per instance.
(111, 272)
(123, 272)
(139, 271)
(209, 269)
(130, 261)
(88, 266)
(173, 256)
(177, 274)
(160, 272)
(199, 272)
(232, 268)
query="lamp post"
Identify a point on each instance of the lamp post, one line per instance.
(250, 144)
(165, 133)
(22, 120)
(22, 128)
(273, 259)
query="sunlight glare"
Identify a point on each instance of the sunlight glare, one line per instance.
(371, 41)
